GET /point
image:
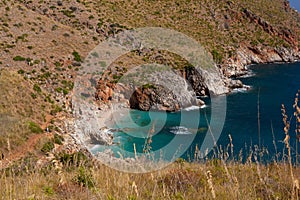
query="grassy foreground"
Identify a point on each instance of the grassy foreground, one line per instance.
(73, 176)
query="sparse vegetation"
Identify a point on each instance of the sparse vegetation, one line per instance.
(84, 178)
(21, 110)
(189, 181)
(217, 56)
(56, 109)
(149, 86)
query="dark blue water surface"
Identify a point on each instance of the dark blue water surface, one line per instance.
(271, 86)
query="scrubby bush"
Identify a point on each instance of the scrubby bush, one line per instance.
(37, 88)
(75, 159)
(34, 128)
(84, 178)
(19, 58)
(56, 109)
(216, 56)
(21, 71)
(76, 55)
(47, 147)
(58, 139)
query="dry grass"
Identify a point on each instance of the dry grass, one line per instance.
(86, 180)
(22, 111)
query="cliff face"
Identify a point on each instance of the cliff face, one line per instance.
(255, 53)
(238, 33)
(173, 94)
(169, 90)
(285, 34)
(154, 98)
(247, 55)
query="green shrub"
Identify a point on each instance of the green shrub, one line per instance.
(56, 109)
(57, 64)
(76, 55)
(22, 37)
(116, 77)
(34, 128)
(48, 190)
(75, 159)
(33, 95)
(59, 89)
(58, 139)
(21, 71)
(65, 91)
(68, 13)
(84, 178)
(217, 56)
(37, 88)
(47, 147)
(19, 58)
(149, 86)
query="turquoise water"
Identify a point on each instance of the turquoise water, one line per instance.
(272, 84)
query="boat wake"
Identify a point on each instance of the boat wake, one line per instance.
(180, 130)
(245, 88)
(194, 108)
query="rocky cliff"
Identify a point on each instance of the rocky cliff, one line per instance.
(255, 52)
(169, 90)
(166, 86)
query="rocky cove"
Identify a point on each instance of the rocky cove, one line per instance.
(240, 123)
(155, 87)
(172, 93)
(178, 94)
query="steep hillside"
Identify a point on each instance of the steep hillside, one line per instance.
(22, 111)
(225, 28)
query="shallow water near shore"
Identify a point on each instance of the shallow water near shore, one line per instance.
(271, 85)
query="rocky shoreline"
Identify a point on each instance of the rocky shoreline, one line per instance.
(246, 56)
(105, 135)
(238, 68)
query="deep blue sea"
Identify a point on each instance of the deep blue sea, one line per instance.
(180, 133)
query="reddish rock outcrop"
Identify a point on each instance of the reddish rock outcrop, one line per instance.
(104, 91)
(154, 98)
(285, 34)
